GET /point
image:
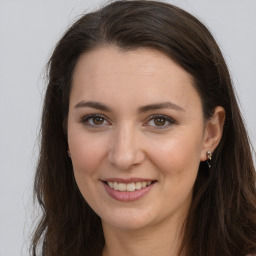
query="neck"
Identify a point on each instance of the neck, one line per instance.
(159, 239)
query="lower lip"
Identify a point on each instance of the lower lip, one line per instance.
(128, 196)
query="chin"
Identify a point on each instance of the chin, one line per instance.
(128, 219)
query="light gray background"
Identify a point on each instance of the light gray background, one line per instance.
(28, 32)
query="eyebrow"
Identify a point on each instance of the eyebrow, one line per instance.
(93, 104)
(164, 105)
(143, 109)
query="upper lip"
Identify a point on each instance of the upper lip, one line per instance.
(126, 181)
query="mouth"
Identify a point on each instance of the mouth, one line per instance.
(128, 190)
(129, 187)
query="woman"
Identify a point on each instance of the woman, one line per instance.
(143, 149)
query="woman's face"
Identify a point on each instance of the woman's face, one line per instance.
(136, 136)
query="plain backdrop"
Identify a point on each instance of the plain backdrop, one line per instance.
(29, 29)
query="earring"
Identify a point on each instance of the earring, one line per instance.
(209, 158)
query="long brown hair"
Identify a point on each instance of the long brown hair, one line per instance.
(222, 217)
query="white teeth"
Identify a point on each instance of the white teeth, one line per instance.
(130, 187)
(115, 186)
(138, 185)
(111, 184)
(122, 187)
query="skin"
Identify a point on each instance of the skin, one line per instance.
(126, 143)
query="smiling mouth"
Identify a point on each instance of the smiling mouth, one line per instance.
(128, 187)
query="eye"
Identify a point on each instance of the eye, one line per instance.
(160, 121)
(95, 120)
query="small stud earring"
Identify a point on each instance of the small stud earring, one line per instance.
(209, 158)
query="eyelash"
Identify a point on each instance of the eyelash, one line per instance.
(85, 120)
(167, 121)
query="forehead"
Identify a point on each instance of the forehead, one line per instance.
(144, 75)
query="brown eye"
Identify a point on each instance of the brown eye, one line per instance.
(159, 121)
(98, 120)
(95, 121)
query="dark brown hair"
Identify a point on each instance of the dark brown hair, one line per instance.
(222, 216)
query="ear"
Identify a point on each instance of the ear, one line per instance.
(213, 132)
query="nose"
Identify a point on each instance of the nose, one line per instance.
(126, 148)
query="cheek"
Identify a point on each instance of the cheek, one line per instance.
(87, 152)
(178, 154)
